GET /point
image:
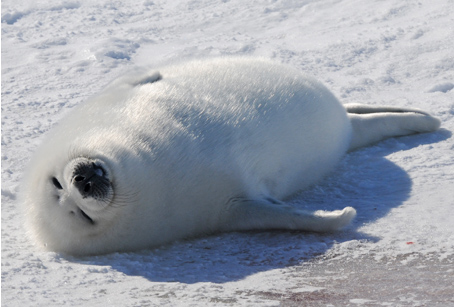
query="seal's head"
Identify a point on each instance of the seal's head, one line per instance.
(73, 206)
(86, 189)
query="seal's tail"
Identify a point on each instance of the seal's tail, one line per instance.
(373, 124)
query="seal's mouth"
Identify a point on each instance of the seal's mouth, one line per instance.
(81, 212)
(86, 217)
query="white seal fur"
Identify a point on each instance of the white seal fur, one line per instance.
(196, 148)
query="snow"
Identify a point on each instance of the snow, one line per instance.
(399, 250)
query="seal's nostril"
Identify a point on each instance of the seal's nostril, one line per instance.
(90, 180)
(79, 178)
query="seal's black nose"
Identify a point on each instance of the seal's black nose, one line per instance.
(90, 180)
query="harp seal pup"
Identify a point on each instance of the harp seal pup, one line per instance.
(196, 148)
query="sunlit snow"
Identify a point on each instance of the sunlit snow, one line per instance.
(399, 251)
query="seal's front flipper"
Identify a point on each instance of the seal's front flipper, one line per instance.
(373, 124)
(251, 214)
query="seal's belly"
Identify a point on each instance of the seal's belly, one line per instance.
(275, 132)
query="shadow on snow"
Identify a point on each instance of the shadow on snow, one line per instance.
(365, 180)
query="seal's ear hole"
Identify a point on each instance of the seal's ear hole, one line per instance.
(56, 183)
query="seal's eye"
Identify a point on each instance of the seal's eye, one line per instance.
(56, 183)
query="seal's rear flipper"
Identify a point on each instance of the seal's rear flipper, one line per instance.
(373, 124)
(249, 214)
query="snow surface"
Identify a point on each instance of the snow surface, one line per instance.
(399, 250)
